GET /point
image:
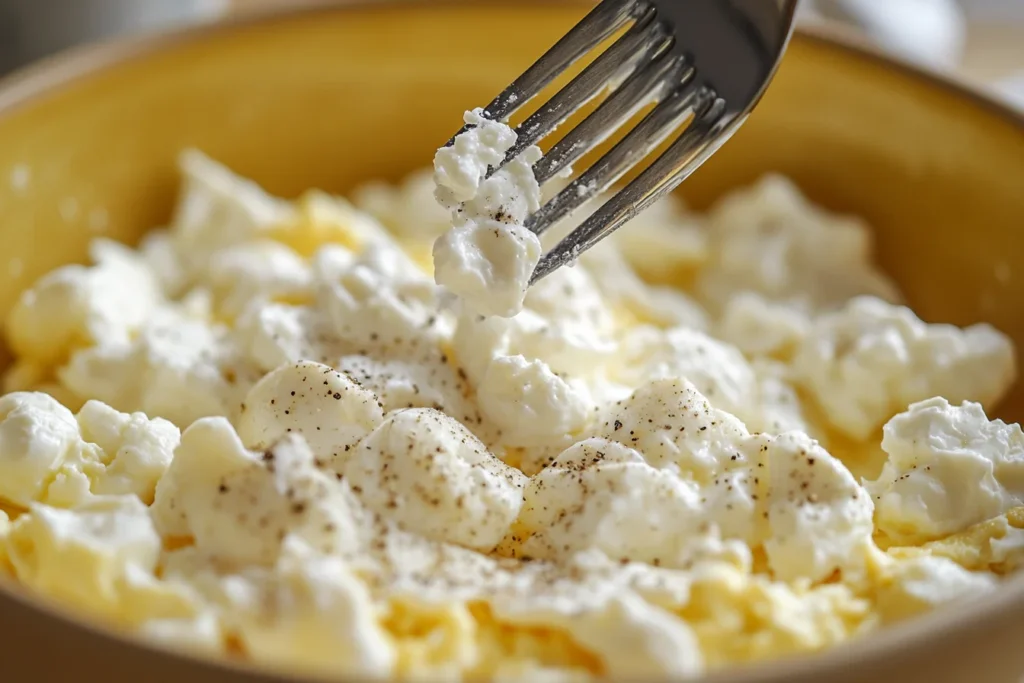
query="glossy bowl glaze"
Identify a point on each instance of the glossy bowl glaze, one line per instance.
(335, 95)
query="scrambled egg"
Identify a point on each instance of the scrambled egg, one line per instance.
(268, 433)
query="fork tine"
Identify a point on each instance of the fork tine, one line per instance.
(628, 152)
(651, 83)
(599, 24)
(644, 41)
(670, 169)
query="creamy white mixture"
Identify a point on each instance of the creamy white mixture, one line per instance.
(487, 257)
(268, 432)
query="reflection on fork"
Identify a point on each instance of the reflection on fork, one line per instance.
(703, 63)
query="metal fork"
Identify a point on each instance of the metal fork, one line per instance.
(704, 62)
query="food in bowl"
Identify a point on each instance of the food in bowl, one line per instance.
(266, 432)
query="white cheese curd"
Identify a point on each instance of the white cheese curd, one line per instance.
(330, 411)
(624, 478)
(488, 264)
(600, 494)
(218, 209)
(382, 297)
(270, 335)
(202, 634)
(1009, 546)
(508, 196)
(687, 471)
(819, 517)
(161, 256)
(619, 285)
(381, 284)
(718, 371)
(760, 327)
(429, 474)
(238, 505)
(135, 450)
(487, 257)
(78, 306)
(770, 240)
(377, 320)
(949, 467)
(564, 323)
(95, 558)
(430, 383)
(310, 613)
(178, 367)
(645, 640)
(408, 209)
(36, 435)
(675, 427)
(261, 270)
(777, 406)
(529, 403)
(869, 360)
(460, 168)
(376, 304)
(331, 261)
(49, 455)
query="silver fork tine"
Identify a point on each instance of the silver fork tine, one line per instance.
(628, 152)
(706, 63)
(670, 169)
(647, 84)
(644, 40)
(604, 20)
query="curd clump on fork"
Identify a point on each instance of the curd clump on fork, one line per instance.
(487, 257)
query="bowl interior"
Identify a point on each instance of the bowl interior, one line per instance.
(333, 97)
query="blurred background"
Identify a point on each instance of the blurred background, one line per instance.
(983, 39)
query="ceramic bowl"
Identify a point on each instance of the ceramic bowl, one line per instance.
(331, 96)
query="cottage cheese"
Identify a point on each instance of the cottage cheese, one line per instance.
(488, 256)
(949, 467)
(310, 613)
(866, 361)
(272, 431)
(79, 306)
